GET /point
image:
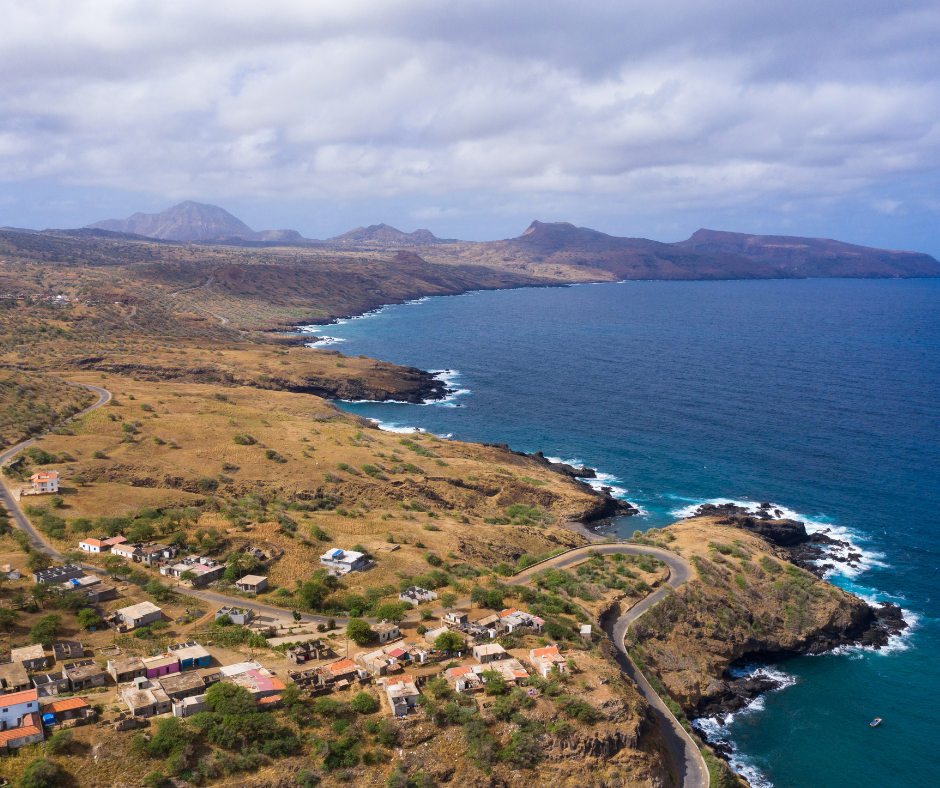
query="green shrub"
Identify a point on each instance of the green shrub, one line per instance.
(41, 773)
(244, 440)
(364, 703)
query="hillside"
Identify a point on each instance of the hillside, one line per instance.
(188, 221)
(382, 235)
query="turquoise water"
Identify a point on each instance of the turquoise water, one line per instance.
(820, 396)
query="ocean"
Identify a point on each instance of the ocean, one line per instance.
(820, 396)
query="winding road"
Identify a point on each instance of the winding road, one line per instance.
(693, 773)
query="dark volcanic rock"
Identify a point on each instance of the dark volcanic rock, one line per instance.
(782, 533)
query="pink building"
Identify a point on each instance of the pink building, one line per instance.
(161, 665)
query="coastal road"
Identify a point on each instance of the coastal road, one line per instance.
(11, 503)
(693, 773)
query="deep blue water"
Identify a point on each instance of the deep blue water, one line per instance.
(821, 396)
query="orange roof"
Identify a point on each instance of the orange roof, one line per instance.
(92, 542)
(19, 697)
(544, 652)
(44, 476)
(269, 699)
(520, 674)
(507, 612)
(24, 730)
(459, 671)
(65, 705)
(343, 664)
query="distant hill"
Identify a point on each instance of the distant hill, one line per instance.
(188, 221)
(794, 256)
(383, 235)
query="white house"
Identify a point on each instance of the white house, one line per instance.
(45, 482)
(402, 694)
(93, 546)
(16, 706)
(345, 561)
(139, 615)
(416, 595)
(488, 652)
(252, 584)
(544, 659)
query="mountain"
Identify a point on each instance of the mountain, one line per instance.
(188, 221)
(794, 256)
(383, 235)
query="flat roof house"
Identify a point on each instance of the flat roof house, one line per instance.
(161, 665)
(126, 669)
(252, 584)
(402, 693)
(83, 674)
(140, 615)
(13, 678)
(239, 615)
(386, 631)
(57, 574)
(191, 655)
(67, 650)
(30, 657)
(146, 699)
(455, 618)
(343, 562)
(183, 685)
(488, 652)
(416, 595)
(48, 685)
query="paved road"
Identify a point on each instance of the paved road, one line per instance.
(693, 772)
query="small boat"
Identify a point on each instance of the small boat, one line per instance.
(875, 722)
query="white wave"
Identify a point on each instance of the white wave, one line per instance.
(391, 426)
(449, 378)
(324, 341)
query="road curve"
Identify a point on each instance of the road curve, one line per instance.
(6, 496)
(693, 773)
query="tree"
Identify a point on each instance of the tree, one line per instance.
(188, 576)
(394, 611)
(448, 599)
(59, 742)
(8, 618)
(359, 631)
(494, 683)
(40, 592)
(224, 621)
(364, 703)
(312, 594)
(449, 641)
(38, 560)
(89, 619)
(225, 698)
(41, 773)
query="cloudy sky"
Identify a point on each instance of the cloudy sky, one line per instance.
(809, 117)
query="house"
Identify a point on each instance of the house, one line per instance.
(304, 652)
(376, 662)
(489, 652)
(93, 546)
(183, 685)
(191, 705)
(341, 673)
(342, 562)
(132, 552)
(48, 685)
(68, 709)
(17, 706)
(204, 570)
(83, 674)
(161, 665)
(415, 595)
(454, 618)
(127, 669)
(431, 635)
(10, 572)
(139, 615)
(402, 693)
(91, 587)
(13, 678)
(544, 659)
(30, 731)
(30, 657)
(252, 584)
(239, 667)
(67, 649)
(57, 574)
(386, 631)
(191, 655)
(114, 541)
(45, 482)
(145, 698)
(260, 683)
(155, 553)
(463, 679)
(239, 615)
(586, 633)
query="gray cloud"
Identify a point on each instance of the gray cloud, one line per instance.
(674, 106)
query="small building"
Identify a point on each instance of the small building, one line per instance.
(91, 587)
(191, 655)
(140, 615)
(463, 679)
(415, 595)
(126, 669)
(68, 709)
(587, 633)
(13, 678)
(155, 553)
(66, 650)
(304, 652)
(146, 699)
(544, 659)
(113, 541)
(376, 662)
(489, 652)
(431, 635)
(191, 705)
(239, 615)
(343, 562)
(17, 706)
(252, 584)
(386, 631)
(48, 685)
(57, 574)
(402, 694)
(260, 683)
(204, 570)
(93, 546)
(132, 552)
(45, 482)
(454, 618)
(29, 731)
(30, 657)
(161, 665)
(83, 674)
(183, 685)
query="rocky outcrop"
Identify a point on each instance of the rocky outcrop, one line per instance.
(590, 744)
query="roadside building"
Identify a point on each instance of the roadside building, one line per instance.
(238, 615)
(57, 574)
(191, 655)
(252, 584)
(45, 482)
(139, 615)
(132, 552)
(83, 674)
(343, 562)
(454, 618)
(30, 657)
(205, 570)
(93, 546)
(386, 631)
(489, 652)
(91, 587)
(126, 669)
(415, 595)
(161, 665)
(305, 652)
(376, 662)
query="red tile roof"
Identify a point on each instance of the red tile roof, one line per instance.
(343, 664)
(24, 730)
(65, 705)
(44, 476)
(507, 612)
(18, 697)
(544, 652)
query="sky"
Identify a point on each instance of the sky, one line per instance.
(471, 119)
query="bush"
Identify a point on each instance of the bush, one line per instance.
(207, 484)
(59, 742)
(449, 641)
(89, 619)
(359, 631)
(41, 773)
(364, 703)
(273, 456)
(244, 440)
(46, 630)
